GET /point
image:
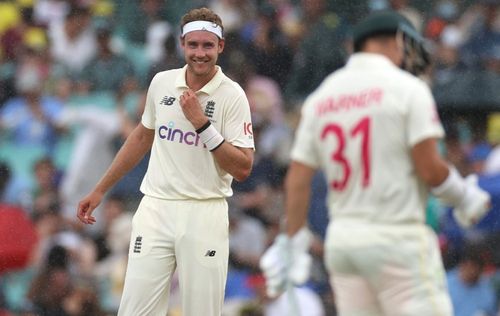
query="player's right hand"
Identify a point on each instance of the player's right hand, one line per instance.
(475, 204)
(87, 205)
(191, 108)
(286, 262)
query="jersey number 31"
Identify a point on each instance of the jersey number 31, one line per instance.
(362, 128)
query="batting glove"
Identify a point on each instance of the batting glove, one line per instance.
(474, 205)
(286, 262)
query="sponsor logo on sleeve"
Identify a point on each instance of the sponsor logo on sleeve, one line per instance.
(247, 129)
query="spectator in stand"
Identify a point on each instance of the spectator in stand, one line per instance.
(114, 209)
(27, 46)
(247, 241)
(471, 291)
(53, 284)
(170, 58)
(267, 106)
(83, 300)
(12, 39)
(256, 196)
(136, 29)
(447, 58)
(289, 21)
(268, 49)
(454, 151)
(150, 30)
(232, 12)
(446, 36)
(108, 71)
(48, 224)
(115, 237)
(482, 31)
(477, 157)
(444, 13)
(92, 151)
(30, 117)
(45, 194)
(48, 12)
(58, 291)
(73, 41)
(321, 51)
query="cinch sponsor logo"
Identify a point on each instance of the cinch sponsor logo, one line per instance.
(170, 133)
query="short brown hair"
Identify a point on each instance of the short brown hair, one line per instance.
(202, 14)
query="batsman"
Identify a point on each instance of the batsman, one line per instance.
(372, 127)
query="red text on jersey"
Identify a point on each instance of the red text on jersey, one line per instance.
(347, 102)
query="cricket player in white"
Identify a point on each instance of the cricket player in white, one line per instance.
(372, 127)
(197, 124)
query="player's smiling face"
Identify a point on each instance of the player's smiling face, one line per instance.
(201, 50)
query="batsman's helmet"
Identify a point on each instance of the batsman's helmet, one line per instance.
(416, 57)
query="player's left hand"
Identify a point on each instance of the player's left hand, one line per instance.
(287, 261)
(475, 203)
(191, 108)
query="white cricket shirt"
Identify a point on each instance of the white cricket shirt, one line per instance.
(180, 166)
(359, 127)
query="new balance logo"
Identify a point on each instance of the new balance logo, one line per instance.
(167, 100)
(138, 244)
(209, 109)
(210, 253)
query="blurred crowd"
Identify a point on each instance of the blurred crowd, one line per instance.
(73, 78)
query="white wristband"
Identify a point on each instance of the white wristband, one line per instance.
(452, 190)
(210, 136)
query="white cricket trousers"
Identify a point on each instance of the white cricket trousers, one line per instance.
(392, 270)
(190, 235)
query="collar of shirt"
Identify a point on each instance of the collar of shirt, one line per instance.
(369, 60)
(209, 88)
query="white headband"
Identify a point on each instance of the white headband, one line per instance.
(202, 26)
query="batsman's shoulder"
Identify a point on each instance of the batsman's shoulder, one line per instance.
(407, 77)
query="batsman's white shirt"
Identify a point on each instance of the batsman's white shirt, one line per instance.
(180, 166)
(359, 127)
